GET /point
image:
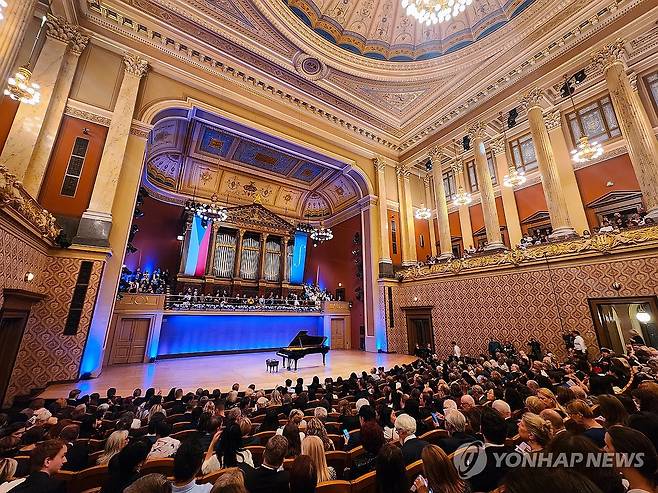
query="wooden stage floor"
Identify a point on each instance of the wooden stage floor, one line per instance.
(222, 371)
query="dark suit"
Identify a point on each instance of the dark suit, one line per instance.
(456, 440)
(77, 457)
(265, 480)
(512, 427)
(491, 477)
(412, 449)
(40, 482)
(354, 441)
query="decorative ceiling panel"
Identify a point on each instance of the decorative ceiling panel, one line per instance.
(215, 143)
(381, 30)
(264, 158)
(307, 172)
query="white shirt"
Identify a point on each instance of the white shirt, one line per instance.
(457, 351)
(410, 437)
(579, 344)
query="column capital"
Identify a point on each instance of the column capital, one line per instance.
(135, 65)
(553, 119)
(78, 44)
(402, 171)
(380, 164)
(611, 54)
(57, 28)
(367, 202)
(477, 130)
(632, 78)
(533, 98)
(435, 154)
(457, 165)
(497, 145)
(426, 180)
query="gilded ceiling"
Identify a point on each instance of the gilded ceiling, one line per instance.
(381, 30)
(198, 154)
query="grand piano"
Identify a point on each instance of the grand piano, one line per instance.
(301, 345)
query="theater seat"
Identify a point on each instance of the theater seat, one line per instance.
(339, 460)
(257, 452)
(161, 466)
(413, 470)
(88, 479)
(365, 484)
(264, 436)
(334, 487)
(433, 436)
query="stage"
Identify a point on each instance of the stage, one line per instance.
(222, 371)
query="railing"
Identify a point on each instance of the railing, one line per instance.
(190, 302)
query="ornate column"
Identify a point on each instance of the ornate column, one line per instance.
(36, 169)
(238, 254)
(385, 261)
(430, 205)
(502, 159)
(568, 183)
(284, 258)
(17, 17)
(487, 197)
(633, 122)
(263, 254)
(445, 238)
(96, 221)
(29, 119)
(557, 205)
(406, 217)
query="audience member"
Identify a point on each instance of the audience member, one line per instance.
(405, 426)
(267, 478)
(439, 472)
(303, 475)
(46, 459)
(187, 464)
(391, 476)
(151, 483)
(312, 447)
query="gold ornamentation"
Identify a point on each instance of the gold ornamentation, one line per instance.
(497, 145)
(533, 98)
(402, 171)
(57, 28)
(553, 119)
(135, 65)
(380, 164)
(610, 54)
(602, 243)
(78, 44)
(477, 131)
(14, 196)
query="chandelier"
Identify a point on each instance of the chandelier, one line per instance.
(586, 151)
(514, 177)
(213, 211)
(462, 197)
(322, 234)
(433, 11)
(423, 212)
(3, 5)
(20, 87)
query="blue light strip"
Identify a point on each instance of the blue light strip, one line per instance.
(298, 258)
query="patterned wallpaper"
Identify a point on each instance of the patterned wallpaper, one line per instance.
(45, 354)
(518, 304)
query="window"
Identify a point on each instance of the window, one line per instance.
(74, 168)
(597, 119)
(450, 184)
(472, 173)
(652, 86)
(394, 237)
(523, 153)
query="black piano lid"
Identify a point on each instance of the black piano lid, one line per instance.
(302, 339)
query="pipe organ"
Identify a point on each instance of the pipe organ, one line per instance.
(250, 252)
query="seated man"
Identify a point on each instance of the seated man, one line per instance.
(187, 464)
(47, 458)
(455, 423)
(412, 447)
(164, 446)
(366, 414)
(505, 411)
(77, 455)
(267, 478)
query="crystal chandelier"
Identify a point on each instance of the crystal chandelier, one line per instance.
(586, 151)
(423, 212)
(322, 234)
(3, 5)
(514, 177)
(20, 87)
(462, 197)
(433, 11)
(213, 211)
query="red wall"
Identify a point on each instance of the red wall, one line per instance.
(49, 196)
(156, 243)
(8, 109)
(528, 201)
(455, 224)
(592, 181)
(332, 262)
(477, 217)
(422, 227)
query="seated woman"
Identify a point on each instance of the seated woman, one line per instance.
(113, 445)
(312, 446)
(391, 473)
(226, 450)
(372, 440)
(315, 427)
(535, 431)
(124, 467)
(439, 472)
(292, 434)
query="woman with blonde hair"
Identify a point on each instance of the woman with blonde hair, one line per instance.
(534, 404)
(535, 431)
(275, 399)
(439, 472)
(549, 400)
(315, 427)
(156, 408)
(8, 478)
(113, 445)
(312, 446)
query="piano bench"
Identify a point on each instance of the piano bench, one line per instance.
(272, 365)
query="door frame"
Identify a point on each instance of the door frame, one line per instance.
(411, 312)
(602, 336)
(153, 333)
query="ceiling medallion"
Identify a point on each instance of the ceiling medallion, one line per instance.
(433, 11)
(310, 67)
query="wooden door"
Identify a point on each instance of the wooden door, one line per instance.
(337, 333)
(419, 328)
(130, 336)
(12, 327)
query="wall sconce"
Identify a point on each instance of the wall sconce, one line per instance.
(85, 131)
(180, 237)
(29, 277)
(415, 299)
(610, 184)
(340, 284)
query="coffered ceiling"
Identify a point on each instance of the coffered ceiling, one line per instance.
(321, 56)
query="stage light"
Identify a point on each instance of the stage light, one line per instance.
(466, 142)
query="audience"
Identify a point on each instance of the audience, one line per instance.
(405, 426)
(113, 445)
(623, 440)
(46, 459)
(125, 466)
(267, 478)
(303, 475)
(313, 448)
(391, 476)
(439, 473)
(187, 464)
(151, 483)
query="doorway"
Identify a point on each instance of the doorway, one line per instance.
(337, 333)
(619, 321)
(419, 328)
(129, 345)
